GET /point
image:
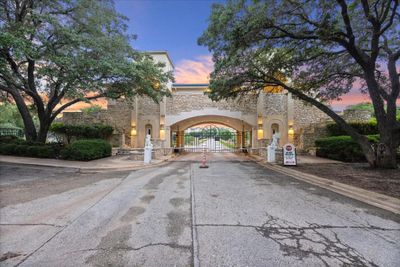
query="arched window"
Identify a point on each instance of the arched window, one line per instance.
(275, 128)
(149, 130)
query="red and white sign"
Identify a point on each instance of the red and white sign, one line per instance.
(289, 155)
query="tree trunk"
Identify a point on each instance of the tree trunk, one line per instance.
(29, 126)
(386, 151)
(45, 122)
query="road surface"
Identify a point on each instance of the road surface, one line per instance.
(235, 213)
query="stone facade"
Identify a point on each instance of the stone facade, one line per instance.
(357, 115)
(257, 116)
(304, 115)
(188, 102)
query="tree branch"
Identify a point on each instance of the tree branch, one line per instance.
(63, 107)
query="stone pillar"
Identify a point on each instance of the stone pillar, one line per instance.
(243, 139)
(254, 137)
(239, 138)
(180, 139)
(167, 136)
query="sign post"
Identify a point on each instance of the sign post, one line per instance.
(289, 155)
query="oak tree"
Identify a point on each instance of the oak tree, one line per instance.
(322, 47)
(56, 53)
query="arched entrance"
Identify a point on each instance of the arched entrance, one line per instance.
(211, 133)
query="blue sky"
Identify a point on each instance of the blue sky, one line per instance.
(172, 25)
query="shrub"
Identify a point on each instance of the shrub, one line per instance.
(87, 150)
(20, 150)
(96, 131)
(7, 149)
(23, 148)
(8, 139)
(47, 151)
(364, 128)
(342, 148)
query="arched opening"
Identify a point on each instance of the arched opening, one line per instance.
(210, 137)
(211, 133)
(149, 130)
(274, 128)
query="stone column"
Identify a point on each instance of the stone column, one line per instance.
(167, 136)
(239, 138)
(180, 139)
(254, 137)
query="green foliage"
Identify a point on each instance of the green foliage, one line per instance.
(362, 106)
(91, 110)
(10, 116)
(26, 149)
(366, 128)
(77, 131)
(78, 51)
(87, 150)
(342, 148)
(314, 50)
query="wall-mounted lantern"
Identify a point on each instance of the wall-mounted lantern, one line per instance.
(260, 131)
(291, 130)
(162, 127)
(133, 131)
(133, 128)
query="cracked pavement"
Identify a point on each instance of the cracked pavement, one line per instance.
(235, 213)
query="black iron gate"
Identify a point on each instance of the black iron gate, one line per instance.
(211, 138)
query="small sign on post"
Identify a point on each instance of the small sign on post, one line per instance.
(289, 155)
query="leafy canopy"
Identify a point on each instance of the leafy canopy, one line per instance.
(66, 49)
(256, 43)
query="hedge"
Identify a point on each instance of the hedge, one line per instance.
(86, 150)
(23, 148)
(80, 131)
(364, 128)
(342, 148)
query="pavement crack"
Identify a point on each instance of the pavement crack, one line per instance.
(311, 227)
(314, 240)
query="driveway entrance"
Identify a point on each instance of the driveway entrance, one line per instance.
(235, 213)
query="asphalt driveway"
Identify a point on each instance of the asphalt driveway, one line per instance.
(235, 213)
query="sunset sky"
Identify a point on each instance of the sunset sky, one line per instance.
(174, 26)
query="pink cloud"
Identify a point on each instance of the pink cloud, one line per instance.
(194, 70)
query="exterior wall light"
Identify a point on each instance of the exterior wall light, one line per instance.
(133, 131)
(260, 134)
(162, 132)
(291, 131)
(162, 127)
(260, 131)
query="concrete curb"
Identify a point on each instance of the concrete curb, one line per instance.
(89, 169)
(372, 198)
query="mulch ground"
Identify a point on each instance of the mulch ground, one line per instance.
(357, 174)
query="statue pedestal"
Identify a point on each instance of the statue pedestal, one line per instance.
(147, 155)
(271, 154)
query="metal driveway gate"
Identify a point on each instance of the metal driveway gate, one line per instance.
(212, 138)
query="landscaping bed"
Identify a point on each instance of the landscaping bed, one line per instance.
(384, 181)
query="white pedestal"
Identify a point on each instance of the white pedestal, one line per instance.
(271, 154)
(147, 155)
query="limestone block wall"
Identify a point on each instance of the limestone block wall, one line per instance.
(274, 111)
(357, 115)
(117, 115)
(188, 102)
(275, 104)
(305, 114)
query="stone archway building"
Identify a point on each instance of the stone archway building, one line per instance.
(189, 106)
